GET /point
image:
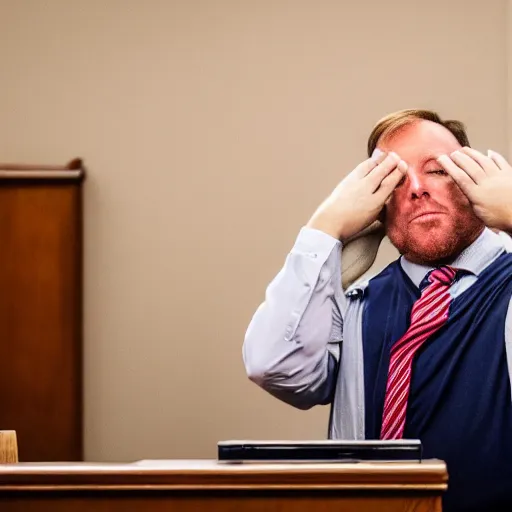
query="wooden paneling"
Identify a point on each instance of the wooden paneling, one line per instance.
(41, 310)
(220, 502)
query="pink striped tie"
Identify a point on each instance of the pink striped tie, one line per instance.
(428, 314)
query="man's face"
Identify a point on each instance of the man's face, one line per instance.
(428, 218)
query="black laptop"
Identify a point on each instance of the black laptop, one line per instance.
(319, 451)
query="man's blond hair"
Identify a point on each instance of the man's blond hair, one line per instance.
(392, 123)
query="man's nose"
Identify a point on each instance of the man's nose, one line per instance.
(417, 183)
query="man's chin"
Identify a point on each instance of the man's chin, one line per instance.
(429, 248)
(435, 241)
(430, 255)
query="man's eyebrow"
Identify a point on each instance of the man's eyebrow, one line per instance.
(428, 159)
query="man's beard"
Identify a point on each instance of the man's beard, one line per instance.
(434, 247)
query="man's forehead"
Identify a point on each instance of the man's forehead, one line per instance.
(421, 140)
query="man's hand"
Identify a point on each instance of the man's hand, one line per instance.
(487, 183)
(358, 200)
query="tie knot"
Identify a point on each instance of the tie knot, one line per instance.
(444, 275)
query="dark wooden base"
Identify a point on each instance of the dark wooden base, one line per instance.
(172, 502)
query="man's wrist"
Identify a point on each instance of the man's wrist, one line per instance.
(335, 229)
(325, 228)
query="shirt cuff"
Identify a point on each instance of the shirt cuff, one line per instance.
(314, 244)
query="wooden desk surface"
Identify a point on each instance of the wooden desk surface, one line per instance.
(191, 485)
(198, 474)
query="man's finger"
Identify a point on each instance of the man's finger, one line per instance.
(465, 183)
(377, 174)
(389, 183)
(500, 161)
(487, 164)
(470, 166)
(365, 167)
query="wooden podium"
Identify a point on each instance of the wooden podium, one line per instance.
(41, 309)
(193, 485)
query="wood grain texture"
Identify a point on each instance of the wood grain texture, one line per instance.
(201, 474)
(165, 502)
(40, 316)
(190, 485)
(8, 447)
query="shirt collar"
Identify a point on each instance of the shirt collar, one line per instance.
(474, 259)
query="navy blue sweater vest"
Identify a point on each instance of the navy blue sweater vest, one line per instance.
(460, 400)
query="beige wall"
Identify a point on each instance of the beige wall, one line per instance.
(211, 130)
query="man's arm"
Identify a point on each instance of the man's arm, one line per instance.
(286, 345)
(291, 345)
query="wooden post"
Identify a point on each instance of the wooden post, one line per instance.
(8, 447)
(41, 309)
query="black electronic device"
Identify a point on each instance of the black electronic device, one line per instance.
(320, 451)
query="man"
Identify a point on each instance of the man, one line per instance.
(422, 350)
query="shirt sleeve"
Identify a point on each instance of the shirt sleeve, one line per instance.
(292, 343)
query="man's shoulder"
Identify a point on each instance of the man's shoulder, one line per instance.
(503, 261)
(388, 274)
